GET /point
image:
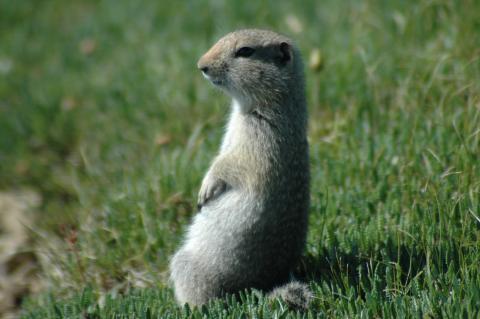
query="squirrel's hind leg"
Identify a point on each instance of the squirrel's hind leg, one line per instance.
(191, 280)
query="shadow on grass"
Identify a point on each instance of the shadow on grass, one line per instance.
(391, 262)
(386, 266)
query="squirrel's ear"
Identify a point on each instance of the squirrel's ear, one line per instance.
(286, 52)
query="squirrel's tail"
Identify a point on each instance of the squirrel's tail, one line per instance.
(296, 295)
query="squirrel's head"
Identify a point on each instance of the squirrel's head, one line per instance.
(256, 67)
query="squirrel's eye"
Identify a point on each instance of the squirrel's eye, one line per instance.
(244, 52)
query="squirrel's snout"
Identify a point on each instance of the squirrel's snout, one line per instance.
(203, 65)
(212, 69)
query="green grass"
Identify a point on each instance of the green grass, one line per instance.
(103, 112)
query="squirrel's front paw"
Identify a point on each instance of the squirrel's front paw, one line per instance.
(211, 188)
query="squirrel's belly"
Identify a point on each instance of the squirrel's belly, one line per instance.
(218, 228)
(233, 244)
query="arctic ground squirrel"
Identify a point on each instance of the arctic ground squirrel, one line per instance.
(253, 203)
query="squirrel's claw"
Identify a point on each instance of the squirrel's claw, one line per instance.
(210, 189)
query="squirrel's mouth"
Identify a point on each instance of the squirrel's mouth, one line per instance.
(215, 81)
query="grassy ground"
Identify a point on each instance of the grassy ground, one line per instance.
(103, 113)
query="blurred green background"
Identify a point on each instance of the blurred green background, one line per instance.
(105, 118)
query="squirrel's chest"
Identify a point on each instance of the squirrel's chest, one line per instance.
(243, 135)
